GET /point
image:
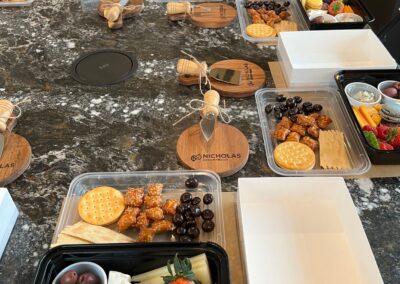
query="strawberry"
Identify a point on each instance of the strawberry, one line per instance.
(370, 128)
(183, 272)
(336, 7)
(382, 131)
(385, 146)
(395, 142)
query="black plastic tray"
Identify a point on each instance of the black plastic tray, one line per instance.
(131, 259)
(358, 7)
(373, 77)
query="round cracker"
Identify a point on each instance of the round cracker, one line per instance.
(260, 31)
(101, 206)
(294, 156)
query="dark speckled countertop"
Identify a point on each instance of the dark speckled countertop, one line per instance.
(75, 129)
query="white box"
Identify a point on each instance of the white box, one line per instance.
(8, 215)
(311, 58)
(303, 230)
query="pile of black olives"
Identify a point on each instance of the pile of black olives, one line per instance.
(188, 211)
(268, 5)
(291, 107)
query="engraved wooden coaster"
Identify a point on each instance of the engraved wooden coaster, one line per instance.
(226, 153)
(16, 155)
(252, 78)
(213, 15)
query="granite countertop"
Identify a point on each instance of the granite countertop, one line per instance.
(75, 129)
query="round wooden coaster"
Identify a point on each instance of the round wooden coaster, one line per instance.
(15, 159)
(213, 15)
(226, 153)
(252, 78)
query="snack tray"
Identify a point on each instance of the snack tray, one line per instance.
(359, 8)
(174, 186)
(373, 77)
(16, 4)
(334, 107)
(244, 20)
(131, 259)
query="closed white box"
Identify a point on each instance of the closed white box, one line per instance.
(303, 230)
(311, 58)
(8, 216)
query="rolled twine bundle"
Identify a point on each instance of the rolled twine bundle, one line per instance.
(174, 8)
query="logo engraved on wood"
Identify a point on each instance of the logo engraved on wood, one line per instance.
(215, 157)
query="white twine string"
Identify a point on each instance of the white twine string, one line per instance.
(15, 106)
(201, 105)
(203, 73)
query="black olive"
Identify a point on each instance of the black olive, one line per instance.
(196, 200)
(178, 219)
(317, 108)
(196, 211)
(188, 216)
(185, 239)
(280, 98)
(268, 108)
(180, 231)
(297, 99)
(293, 111)
(207, 214)
(306, 104)
(186, 197)
(193, 232)
(208, 226)
(308, 110)
(208, 198)
(191, 182)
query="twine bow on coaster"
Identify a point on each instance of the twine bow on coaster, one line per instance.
(194, 68)
(6, 109)
(197, 105)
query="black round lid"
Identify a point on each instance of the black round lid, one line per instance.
(104, 67)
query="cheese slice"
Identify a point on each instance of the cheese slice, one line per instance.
(115, 277)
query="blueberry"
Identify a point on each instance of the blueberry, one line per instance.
(306, 104)
(190, 223)
(278, 115)
(186, 197)
(308, 110)
(317, 108)
(297, 99)
(188, 216)
(196, 200)
(180, 231)
(293, 111)
(280, 98)
(196, 211)
(208, 226)
(185, 239)
(193, 232)
(268, 108)
(191, 182)
(207, 214)
(178, 219)
(293, 118)
(283, 107)
(287, 3)
(208, 198)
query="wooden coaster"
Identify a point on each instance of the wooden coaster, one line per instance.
(213, 15)
(252, 78)
(16, 155)
(226, 153)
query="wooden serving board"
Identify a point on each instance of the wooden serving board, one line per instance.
(226, 153)
(213, 15)
(16, 156)
(252, 78)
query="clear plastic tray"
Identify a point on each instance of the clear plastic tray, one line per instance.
(174, 186)
(16, 4)
(245, 20)
(334, 107)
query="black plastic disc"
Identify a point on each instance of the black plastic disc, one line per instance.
(104, 67)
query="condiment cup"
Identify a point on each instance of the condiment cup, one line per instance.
(348, 18)
(385, 99)
(82, 267)
(355, 87)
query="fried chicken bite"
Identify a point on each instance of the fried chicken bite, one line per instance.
(299, 129)
(146, 235)
(155, 189)
(134, 197)
(323, 121)
(155, 213)
(152, 201)
(293, 136)
(170, 206)
(142, 220)
(306, 140)
(162, 226)
(281, 133)
(127, 219)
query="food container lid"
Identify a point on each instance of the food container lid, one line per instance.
(334, 107)
(104, 67)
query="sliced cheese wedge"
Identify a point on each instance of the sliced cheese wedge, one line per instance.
(199, 267)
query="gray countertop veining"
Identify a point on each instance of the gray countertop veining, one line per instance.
(75, 128)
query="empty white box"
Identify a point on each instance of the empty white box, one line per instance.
(311, 58)
(8, 215)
